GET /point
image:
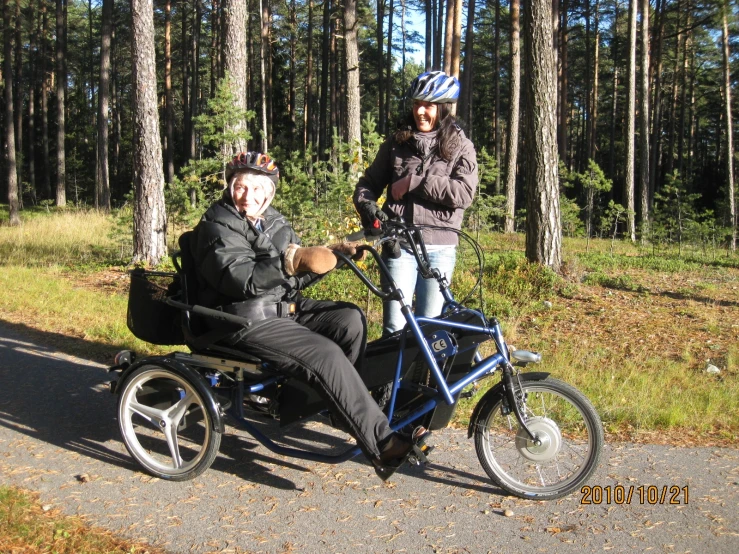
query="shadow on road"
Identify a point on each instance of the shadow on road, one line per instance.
(65, 401)
(50, 394)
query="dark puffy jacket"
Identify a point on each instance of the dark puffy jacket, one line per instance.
(439, 191)
(236, 262)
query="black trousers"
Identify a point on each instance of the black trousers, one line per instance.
(320, 346)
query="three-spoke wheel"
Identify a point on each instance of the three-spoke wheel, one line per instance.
(166, 425)
(569, 440)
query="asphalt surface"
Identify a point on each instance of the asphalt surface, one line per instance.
(57, 422)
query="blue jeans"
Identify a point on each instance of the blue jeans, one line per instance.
(428, 298)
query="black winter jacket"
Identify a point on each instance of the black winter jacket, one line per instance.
(236, 262)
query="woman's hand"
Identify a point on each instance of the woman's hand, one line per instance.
(400, 188)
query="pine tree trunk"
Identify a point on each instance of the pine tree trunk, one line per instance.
(389, 68)
(194, 83)
(234, 49)
(35, 19)
(614, 96)
(513, 117)
(117, 118)
(61, 90)
(438, 36)
(585, 135)
(10, 169)
(323, 114)
(449, 35)
(691, 120)
(149, 217)
(103, 173)
(596, 80)
(185, 56)
(45, 105)
(380, 67)
(644, 122)
(564, 104)
(91, 49)
(728, 122)
(18, 85)
(308, 131)
(630, 124)
(496, 101)
(684, 91)
(456, 42)
(655, 144)
(429, 35)
(168, 108)
(466, 107)
(267, 89)
(333, 89)
(215, 35)
(293, 74)
(670, 156)
(543, 226)
(354, 116)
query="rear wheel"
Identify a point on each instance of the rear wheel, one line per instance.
(166, 425)
(569, 433)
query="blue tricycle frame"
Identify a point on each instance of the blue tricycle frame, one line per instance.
(535, 436)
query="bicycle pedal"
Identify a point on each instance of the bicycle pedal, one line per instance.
(420, 435)
(418, 455)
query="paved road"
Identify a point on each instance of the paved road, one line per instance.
(57, 421)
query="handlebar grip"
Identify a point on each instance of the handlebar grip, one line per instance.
(359, 235)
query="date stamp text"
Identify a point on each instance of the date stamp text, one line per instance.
(631, 494)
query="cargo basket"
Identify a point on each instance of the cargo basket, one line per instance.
(149, 317)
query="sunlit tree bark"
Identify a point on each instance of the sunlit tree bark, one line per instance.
(513, 118)
(727, 121)
(543, 226)
(630, 124)
(149, 217)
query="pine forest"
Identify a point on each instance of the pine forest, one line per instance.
(137, 105)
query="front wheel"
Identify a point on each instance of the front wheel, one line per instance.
(569, 433)
(166, 425)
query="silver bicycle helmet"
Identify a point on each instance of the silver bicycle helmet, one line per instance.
(434, 86)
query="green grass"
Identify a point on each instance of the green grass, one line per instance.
(49, 298)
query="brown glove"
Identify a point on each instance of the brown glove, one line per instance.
(316, 259)
(350, 249)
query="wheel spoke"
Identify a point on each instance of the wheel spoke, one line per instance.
(170, 431)
(177, 410)
(149, 413)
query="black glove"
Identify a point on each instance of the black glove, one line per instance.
(372, 217)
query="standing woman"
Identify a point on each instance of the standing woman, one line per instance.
(429, 168)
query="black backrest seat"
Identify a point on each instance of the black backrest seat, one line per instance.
(200, 337)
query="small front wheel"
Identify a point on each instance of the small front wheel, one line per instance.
(569, 440)
(166, 425)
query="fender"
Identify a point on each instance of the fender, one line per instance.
(497, 392)
(187, 373)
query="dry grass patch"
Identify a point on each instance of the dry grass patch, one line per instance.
(25, 527)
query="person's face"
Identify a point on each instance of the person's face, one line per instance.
(248, 196)
(425, 114)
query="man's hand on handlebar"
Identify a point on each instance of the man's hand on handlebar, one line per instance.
(350, 249)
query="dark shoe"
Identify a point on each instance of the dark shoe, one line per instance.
(393, 452)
